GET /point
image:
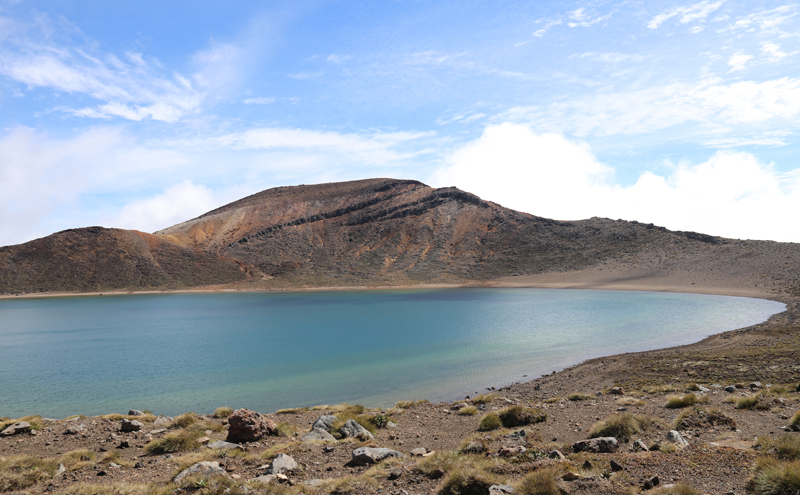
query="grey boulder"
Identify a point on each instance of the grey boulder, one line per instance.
(318, 434)
(282, 464)
(372, 455)
(325, 422)
(128, 425)
(219, 444)
(204, 468)
(352, 429)
(601, 445)
(676, 438)
(16, 428)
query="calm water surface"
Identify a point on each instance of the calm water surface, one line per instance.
(173, 353)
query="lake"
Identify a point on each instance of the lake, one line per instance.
(173, 353)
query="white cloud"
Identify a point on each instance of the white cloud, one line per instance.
(738, 61)
(543, 30)
(176, 204)
(696, 12)
(258, 101)
(768, 21)
(337, 59)
(731, 194)
(772, 51)
(581, 19)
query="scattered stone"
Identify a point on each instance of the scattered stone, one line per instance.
(328, 449)
(138, 465)
(352, 429)
(123, 445)
(325, 422)
(85, 458)
(640, 445)
(245, 425)
(615, 466)
(318, 434)
(596, 445)
(203, 440)
(703, 389)
(569, 476)
(419, 452)
(282, 464)
(617, 391)
(101, 473)
(61, 469)
(114, 465)
(158, 431)
(730, 389)
(512, 451)
(556, 454)
(391, 424)
(128, 425)
(16, 428)
(587, 466)
(651, 483)
(474, 447)
(219, 444)
(204, 468)
(501, 490)
(395, 473)
(162, 421)
(74, 430)
(135, 412)
(676, 438)
(371, 455)
(797, 388)
(755, 385)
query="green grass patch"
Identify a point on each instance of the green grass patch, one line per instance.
(468, 411)
(490, 421)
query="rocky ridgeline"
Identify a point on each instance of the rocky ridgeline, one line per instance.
(699, 439)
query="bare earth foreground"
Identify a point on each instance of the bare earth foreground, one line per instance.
(732, 398)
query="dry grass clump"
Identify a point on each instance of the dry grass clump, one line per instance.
(521, 416)
(677, 489)
(623, 426)
(404, 404)
(677, 402)
(36, 422)
(183, 421)
(775, 477)
(658, 389)
(630, 401)
(749, 402)
(490, 421)
(355, 412)
(786, 447)
(468, 411)
(22, 471)
(470, 475)
(222, 412)
(483, 399)
(703, 418)
(118, 488)
(541, 482)
(178, 441)
(292, 410)
(437, 465)
(579, 396)
(795, 419)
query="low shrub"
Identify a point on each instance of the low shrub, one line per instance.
(404, 404)
(22, 471)
(520, 416)
(178, 441)
(468, 411)
(489, 422)
(795, 419)
(437, 465)
(676, 402)
(483, 399)
(222, 412)
(774, 477)
(623, 426)
(703, 418)
(579, 396)
(540, 482)
(749, 402)
(183, 421)
(676, 489)
(786, 447)
(468, 479)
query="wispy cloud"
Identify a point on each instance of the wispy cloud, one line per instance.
(264, 100)
(739, 61)
(696, 12)
(547, 25)
(580, 18)
(769, 21)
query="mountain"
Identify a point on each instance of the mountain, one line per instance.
(377, 232)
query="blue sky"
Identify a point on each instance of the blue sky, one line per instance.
(143, 114)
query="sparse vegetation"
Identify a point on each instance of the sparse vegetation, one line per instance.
(520, 416)
(468, 411)
(795, 419)
(483, 399)
(222, 412)
(471, 475)
(579, 396)
(23, 471)
(786, 447)
(404, 404)
(437, 465)
(749, 402)
(677, 402)
(183, 421)
(541, 482)
(623, 426)
(490, 422)
(775, 477)
(702, 418)
(178, 441)
(630, 401)
(36, 422)
(676, 489)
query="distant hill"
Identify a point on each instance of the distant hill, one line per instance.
(375, 232)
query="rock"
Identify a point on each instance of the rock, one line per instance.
(501, 489)
(676, 438)
(615, 466)
(569, 476)
(730, 389)
(755, 385)
(16, 428)
(61, 469)
(512, 451)
(158, 431)
(245, 425)
(114, 465)
(74, 430)
(371, 455)
(325, 422)
(652, 482)
(128, 425)
(596, 445)
(318, 434)
(640, 445)
(219, 444)
(123, 445)
(203, 440)
(162, 421)
(395, 473)
(474, 447)
(282, 464)
(391, 424)
(556, 454)
(797, 388)
(617, 391)
(703, 389)
(587, 466)
(138, 465)
(135, 412)
(419, 452)
(352, 429)
(204, 468)
(265, 479)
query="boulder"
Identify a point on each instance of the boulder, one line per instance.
(219, 444)
(419, 451)
(325, 422)
(617, 391)
(74, 430)
(318, 434)
(282, 464)
(372, 455)
(128, 425)
(639, 445)
(16, 428)
(501, 490)
(245, 425)
(162, 421)
(556, 454)
(730, 389)
(135, 412)
(755, 385)
(676, 438)
(602, 445)
(352, 429)
(204, 468)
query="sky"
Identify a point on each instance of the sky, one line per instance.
(142, 114)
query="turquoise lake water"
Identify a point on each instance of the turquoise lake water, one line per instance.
(173, 353)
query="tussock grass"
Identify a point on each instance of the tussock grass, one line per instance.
(222, 412)
(483, 399)
(178, 441)
(192, 458)
(630, 401)
(286, 429)
(577, 396)
(183, 421)
(541, 482)
(623, 426)
(749, 402)
(553, 400)
(521, 416)
(293, 410)
(490, 421)
(775, 477)
(677, 489)
(118, 488)
(471, 475)
(677, 402)
(36, 422)
(786, 447)
(702, 418)
(658, 389)
(404, 404)
(437, 465)
(23, 471)
(468, 411)
(795, 419)
(147, 418)
(271, 452)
